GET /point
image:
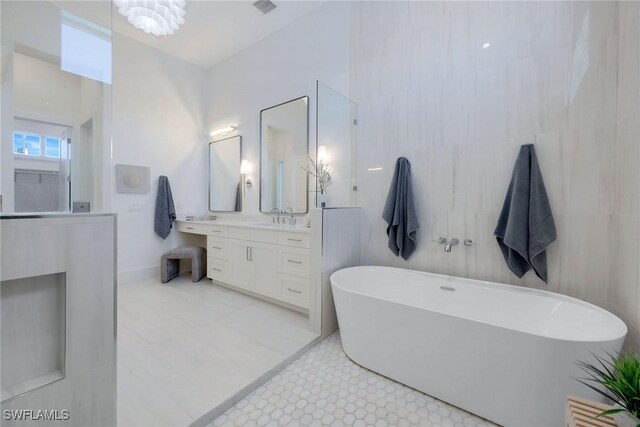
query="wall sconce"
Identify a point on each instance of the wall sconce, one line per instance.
(222, 131)
(323, 156)
(245, 169)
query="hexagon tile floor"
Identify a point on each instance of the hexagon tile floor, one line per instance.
(325, 388)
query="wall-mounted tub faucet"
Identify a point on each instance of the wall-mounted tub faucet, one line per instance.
(451, 243)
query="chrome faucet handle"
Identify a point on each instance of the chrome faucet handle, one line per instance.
(451, 243)
(469, 242)
(441, 240)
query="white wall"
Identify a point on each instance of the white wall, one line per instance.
(625, 221)
(6, 116)
(427, 90)
(158, 121)
(43, 92)
(283, 66)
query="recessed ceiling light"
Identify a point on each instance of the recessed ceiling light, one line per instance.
(486, 45)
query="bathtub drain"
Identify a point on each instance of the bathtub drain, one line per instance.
(447, 288)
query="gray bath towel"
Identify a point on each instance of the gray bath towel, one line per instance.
(525, 227)
(238, 206)
(400, 212)
(165, 211)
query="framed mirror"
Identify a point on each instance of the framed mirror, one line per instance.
(284, 157)
(225, 181)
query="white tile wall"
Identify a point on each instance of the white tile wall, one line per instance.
(625, 251)
(562, 75)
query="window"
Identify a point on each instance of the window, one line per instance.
(85, 48)
(30, 144)
(27, 144)
(52, 147)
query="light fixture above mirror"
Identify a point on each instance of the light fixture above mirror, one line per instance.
(157, 17)
(222, 131)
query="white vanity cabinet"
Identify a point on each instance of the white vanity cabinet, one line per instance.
(253, 267)
(263, 261)
(290, 266)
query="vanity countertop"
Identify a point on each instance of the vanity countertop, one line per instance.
(257, 225)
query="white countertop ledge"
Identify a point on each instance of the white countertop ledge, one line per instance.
(264, 225)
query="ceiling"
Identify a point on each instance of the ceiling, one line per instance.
(217, 30)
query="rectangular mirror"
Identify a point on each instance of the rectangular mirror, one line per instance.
(225, 188)
(55, 142)
(284, 156)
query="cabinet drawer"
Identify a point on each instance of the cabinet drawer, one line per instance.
(218, 269)
(216, 231)
(299, 240)
(253, 235)
(218, 248)
(294, 290)
(189, 227)
(294, 261)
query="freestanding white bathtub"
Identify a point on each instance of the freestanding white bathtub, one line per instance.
(502, 352)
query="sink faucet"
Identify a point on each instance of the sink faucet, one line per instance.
(277, 211)
(292, 219)
(451, 243)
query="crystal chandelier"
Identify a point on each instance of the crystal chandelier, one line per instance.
(157, 17)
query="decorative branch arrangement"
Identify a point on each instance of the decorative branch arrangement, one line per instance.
(321, 172)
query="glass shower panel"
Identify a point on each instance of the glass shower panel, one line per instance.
(56, 78)
(337, 147)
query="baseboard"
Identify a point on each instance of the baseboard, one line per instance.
(146, 273)
(207, 418)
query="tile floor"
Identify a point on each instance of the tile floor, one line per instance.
(325, 388)
(184, 348)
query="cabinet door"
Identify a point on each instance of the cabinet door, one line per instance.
(265, 260)
(242, 270)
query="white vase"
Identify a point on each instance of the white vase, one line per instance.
(625, 419)
(323, 201)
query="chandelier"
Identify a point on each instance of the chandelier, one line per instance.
(157, 17)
